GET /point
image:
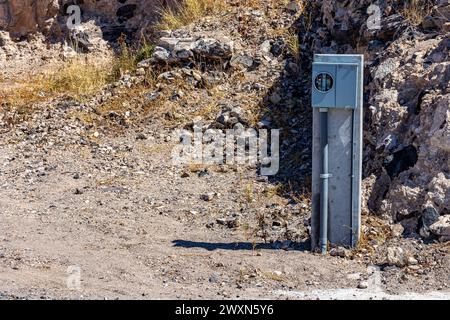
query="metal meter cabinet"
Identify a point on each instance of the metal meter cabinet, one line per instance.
(337, 101)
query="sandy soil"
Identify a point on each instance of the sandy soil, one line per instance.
(136, 229)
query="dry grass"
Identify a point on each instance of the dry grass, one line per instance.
(254, 4)
(271, 275)
(416, 10)
(208, 112)
(124, 62)
(195, 168)
(129, 57)
(250, 193)
(273, 191)
(80, 78)
(293, 45)
(77, 78)
(187, 12)
(378, 233)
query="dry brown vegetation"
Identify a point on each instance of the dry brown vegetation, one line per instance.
(416, 10)
(77, 78)
(187, 12)
(293, 45)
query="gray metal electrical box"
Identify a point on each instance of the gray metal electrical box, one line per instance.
(341, 82)
(337, 101)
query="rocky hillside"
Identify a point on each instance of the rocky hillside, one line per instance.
(407, 130)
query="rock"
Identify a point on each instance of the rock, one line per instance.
(275, 98)
(263, 124)
(175, 50)
(126, 12)
(222, 221)
(80, 41)
(145, 64)
(339, 252)
(213, 49)
(140, 71)
(176, 95)
(183, 50)
(277, 223)
(293, 6)
(5, 39)
(152, 96)
(141, 136)
(229, 222)
(21, 17)
(68, 53)
(397, 230)
(167, 43)
(428, 23)
(262, 179)
(363, 285)
(87, 37)
(185, 174)
(236, 112)
(429, 217)
(396, 257)
(214, 278)
(411, 261)
(208, 196)
(265, 46)
(168, 76)
(386, 68)
(203, 173)
(441, 227)
(234, 223)
(446, 27)
(277, 47)
(242, 61)
(223, 118)
(229, 116)
(390, 25)
(197, 76)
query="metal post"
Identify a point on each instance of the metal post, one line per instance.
(324, 176)
(337, 101)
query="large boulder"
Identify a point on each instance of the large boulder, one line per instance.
(21, 17)
(442, 227)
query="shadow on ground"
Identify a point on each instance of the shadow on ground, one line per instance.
(243, 246)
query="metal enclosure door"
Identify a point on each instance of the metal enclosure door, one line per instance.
(344, 104)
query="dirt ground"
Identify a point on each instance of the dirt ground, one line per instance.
(134, 228)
